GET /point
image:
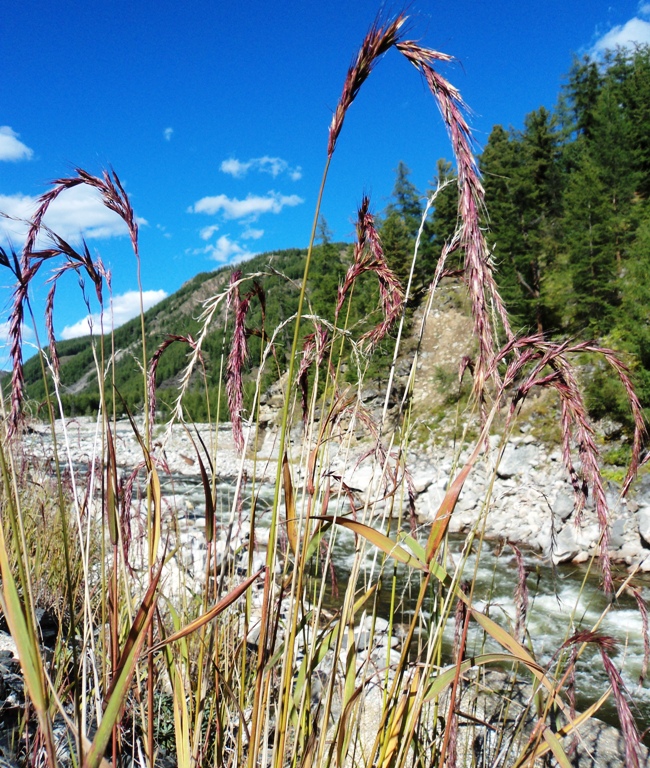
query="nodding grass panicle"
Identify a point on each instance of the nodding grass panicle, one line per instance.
(606, 645)
(153, 367)
(237, 359)
(369, 257)
(239, 350)
(478, 272)
(378, 41)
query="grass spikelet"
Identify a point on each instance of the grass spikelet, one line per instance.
(49, 327)
(377, 41)
(369, 257)
(478, 273)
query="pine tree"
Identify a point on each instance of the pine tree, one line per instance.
(500, 165)
(582, 89)
(406, 200)
(397, 244)
(591, 260)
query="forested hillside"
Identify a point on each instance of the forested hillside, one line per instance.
(569, 217)
(273, 299)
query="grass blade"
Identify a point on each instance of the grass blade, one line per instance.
(19, 621)
(220, 607)
(379, 540)
(289, 505)
(123, 674)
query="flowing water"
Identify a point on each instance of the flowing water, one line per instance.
(561, 601)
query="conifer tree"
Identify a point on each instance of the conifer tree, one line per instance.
(401, 223)
(441, 224)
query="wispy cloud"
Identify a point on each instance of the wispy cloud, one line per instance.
(227, 251)
(635, 31)
(125, 306)
(207, 232)
(168, 133)
(5, 343)
(252, 234)
(11, 147)
(27, 332)
(271, 165)
(76, 213)
(251, 208)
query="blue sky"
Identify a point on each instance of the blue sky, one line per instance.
(215, 117)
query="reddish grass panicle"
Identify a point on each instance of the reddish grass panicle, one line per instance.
(239, 351)
(113, 197)
(606, 645)
(369, 257)
(378, 40)
(478, 271)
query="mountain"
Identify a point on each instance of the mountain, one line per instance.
(279, 276)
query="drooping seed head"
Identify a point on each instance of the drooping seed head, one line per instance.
(378, 40)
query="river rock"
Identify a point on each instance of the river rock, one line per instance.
(517, 460)
(565, 547)
(643, 522)
(564, 503)
(617, 536)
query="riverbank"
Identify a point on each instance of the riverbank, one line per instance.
(525, 505)
(527, 499)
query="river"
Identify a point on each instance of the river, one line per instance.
(562, 600)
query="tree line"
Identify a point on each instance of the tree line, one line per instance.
(568, 217)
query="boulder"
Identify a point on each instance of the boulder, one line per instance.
(565, 547)
(643, 523)
(564, 504)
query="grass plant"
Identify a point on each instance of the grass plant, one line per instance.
(246, 656)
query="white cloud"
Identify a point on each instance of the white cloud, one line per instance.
(252, 234)
(28, 333)
(252, 207)
(168, 133)
(5, 343)
(207, 232)
(235, 167)
(271, 165)
(226, 250)
(11, 148)
(124, 306)
(76, 213)
(18, 207)
(636, 31)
